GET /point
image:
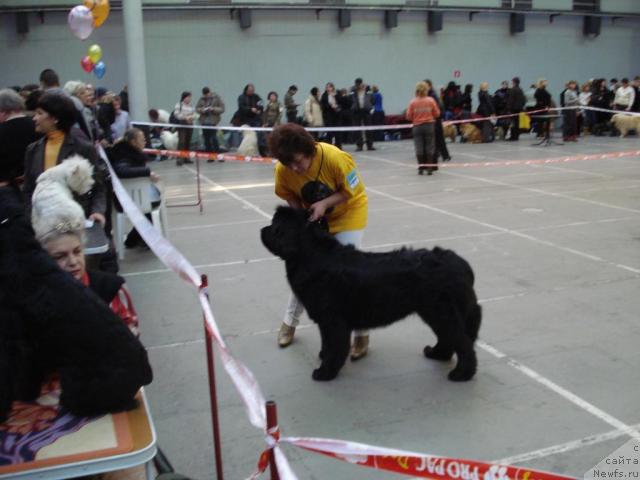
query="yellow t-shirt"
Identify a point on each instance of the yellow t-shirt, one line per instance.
(340, 173)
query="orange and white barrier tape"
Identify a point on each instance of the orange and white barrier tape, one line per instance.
(398, 461)
(537, 161)
(211, 156)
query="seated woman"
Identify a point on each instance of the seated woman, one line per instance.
(66, 247)
(129, 161)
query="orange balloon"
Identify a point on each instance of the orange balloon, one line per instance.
(99, 9)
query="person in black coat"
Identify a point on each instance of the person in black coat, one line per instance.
(17, 131)
(441, 145)
(250, 109)
(543, 101)
(129, 161)
(466, 99)
(485, 109)
(332, 103)
(515, 104)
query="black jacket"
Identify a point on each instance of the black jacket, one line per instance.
(15, 136)
(128, 162)
(95, 200)
(515, 100)
(543, 98)
(245, 104)
(485, 106)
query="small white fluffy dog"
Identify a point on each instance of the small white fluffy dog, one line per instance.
(169, 139)
(249, 145)
(53, 206)
(624, 123)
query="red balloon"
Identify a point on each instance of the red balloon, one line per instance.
(87, 64)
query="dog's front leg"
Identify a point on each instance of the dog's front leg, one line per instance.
(335, 349)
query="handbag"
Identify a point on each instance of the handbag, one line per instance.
(174, 119)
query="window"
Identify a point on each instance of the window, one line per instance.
(517, 4)
(586, 5)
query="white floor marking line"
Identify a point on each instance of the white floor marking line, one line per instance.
(214, 225)
(205, 265)
(563, 447)
(232, 194)
(573, 170)
(563, 392)
(542, 192)
(176, 344)
(405, 243)
(498, 228)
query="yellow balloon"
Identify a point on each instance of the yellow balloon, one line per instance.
(94, 53)
(99, 10)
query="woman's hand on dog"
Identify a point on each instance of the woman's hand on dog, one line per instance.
(317, 210)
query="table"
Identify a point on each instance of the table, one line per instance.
(42, 442)
(547, 140)
(97, 241)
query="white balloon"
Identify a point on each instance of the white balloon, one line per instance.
(80, 22)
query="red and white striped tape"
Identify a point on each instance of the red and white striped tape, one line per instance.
(211, 156)
(398, 461)
(417, 464)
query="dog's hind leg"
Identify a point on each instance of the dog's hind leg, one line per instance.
(335, 349)
(443, 349)
(452, 337)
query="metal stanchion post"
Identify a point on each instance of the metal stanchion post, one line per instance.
(212, 391)
(272, 426)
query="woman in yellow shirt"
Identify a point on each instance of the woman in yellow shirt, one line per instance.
(324, 180)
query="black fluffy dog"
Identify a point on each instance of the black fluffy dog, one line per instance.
(50, 322)
(344, 289)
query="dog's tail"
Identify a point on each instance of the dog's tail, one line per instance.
(474, 318)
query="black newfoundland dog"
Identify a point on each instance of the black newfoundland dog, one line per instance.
(344, 289)
(49, 322)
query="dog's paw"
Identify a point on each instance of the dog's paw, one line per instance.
(323, 374)
(461, 375)
(437, 354)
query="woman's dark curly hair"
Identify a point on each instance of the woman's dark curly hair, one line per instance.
(290, 139)
(61, 107)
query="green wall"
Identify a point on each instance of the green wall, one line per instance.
(189, 49)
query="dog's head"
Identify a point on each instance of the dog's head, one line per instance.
(291, 231)
(75, 172)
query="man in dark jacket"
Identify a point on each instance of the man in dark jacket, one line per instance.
(361, 107)
(515, 104)
(17, 131)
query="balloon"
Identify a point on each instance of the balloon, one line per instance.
(87, 64)
(80, 22)
(99, 70)
(99, 10)
(94, 53)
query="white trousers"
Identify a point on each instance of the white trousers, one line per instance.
(295, 308)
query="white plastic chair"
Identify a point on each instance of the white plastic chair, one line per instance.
(139, 189)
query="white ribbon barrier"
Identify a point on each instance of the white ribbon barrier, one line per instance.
(403, 126)
(242, 377)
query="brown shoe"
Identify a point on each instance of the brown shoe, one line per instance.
(285, 335)
(360, 347)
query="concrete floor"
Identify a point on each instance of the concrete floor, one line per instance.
(555, 249)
